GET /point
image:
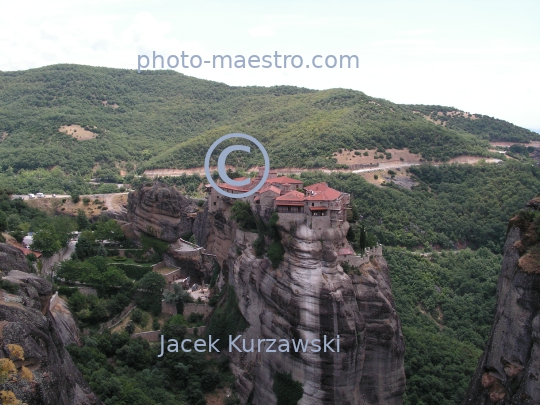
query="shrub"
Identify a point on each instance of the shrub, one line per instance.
(8, 286)
(376, 177)
(275, 253)
(130, 328)
(288, 391)
(66, 291)
(156, 325)
(75, 198)
(86, 200)
(195, 317)
(136, 316)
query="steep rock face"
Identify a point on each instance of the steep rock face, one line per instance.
(66, 325)
(12, 258)
(309, 296)
(509, 369)
(25, 320)
(383, 377)
(161, 211)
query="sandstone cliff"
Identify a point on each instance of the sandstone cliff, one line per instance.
(309, 296)
(509, 369)
(161, 211)
(25, 320)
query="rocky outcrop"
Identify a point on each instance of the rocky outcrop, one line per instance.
(509, 369)
(161, 211)
(308, 297)
(25, 320)
(12, 258)
(66, 325)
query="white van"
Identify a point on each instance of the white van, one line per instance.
(40, 195)
(31, 196)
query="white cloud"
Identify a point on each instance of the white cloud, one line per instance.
(263, 31)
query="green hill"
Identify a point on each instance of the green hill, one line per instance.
(164, 119)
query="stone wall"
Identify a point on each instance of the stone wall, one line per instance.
(168, 308)
(358, 260)
(197, 308)
(151, 336)
(118, 318)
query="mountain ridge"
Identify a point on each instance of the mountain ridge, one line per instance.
(165, 119)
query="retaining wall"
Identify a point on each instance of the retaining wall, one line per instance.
(358, 260)
(155, 335)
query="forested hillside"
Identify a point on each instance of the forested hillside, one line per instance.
(162, 119)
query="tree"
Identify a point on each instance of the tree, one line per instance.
(82, 221)
(153, 283)
(13, 222)
(3, 221)
(46, 241)
(179, 296)
(241, 213)
(101, 251)
(75, 198)
(362, 239)
(85, 245)
(108, 229)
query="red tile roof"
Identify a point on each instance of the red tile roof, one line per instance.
(291, 198)
(328, 194)
(345, 251)
(318, 208)
(268, 187)
(317, 187)
(284, 180)
(28, 251)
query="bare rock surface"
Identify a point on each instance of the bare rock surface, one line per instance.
(25, 320)
(12, 258)
(509, 369)
(66, 325)
(307, 297)
(160, 211)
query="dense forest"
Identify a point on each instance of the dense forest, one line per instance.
(166, 119)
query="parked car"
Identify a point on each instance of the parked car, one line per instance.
(39, 195)
(31, 196)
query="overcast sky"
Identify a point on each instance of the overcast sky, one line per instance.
(479, 56)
